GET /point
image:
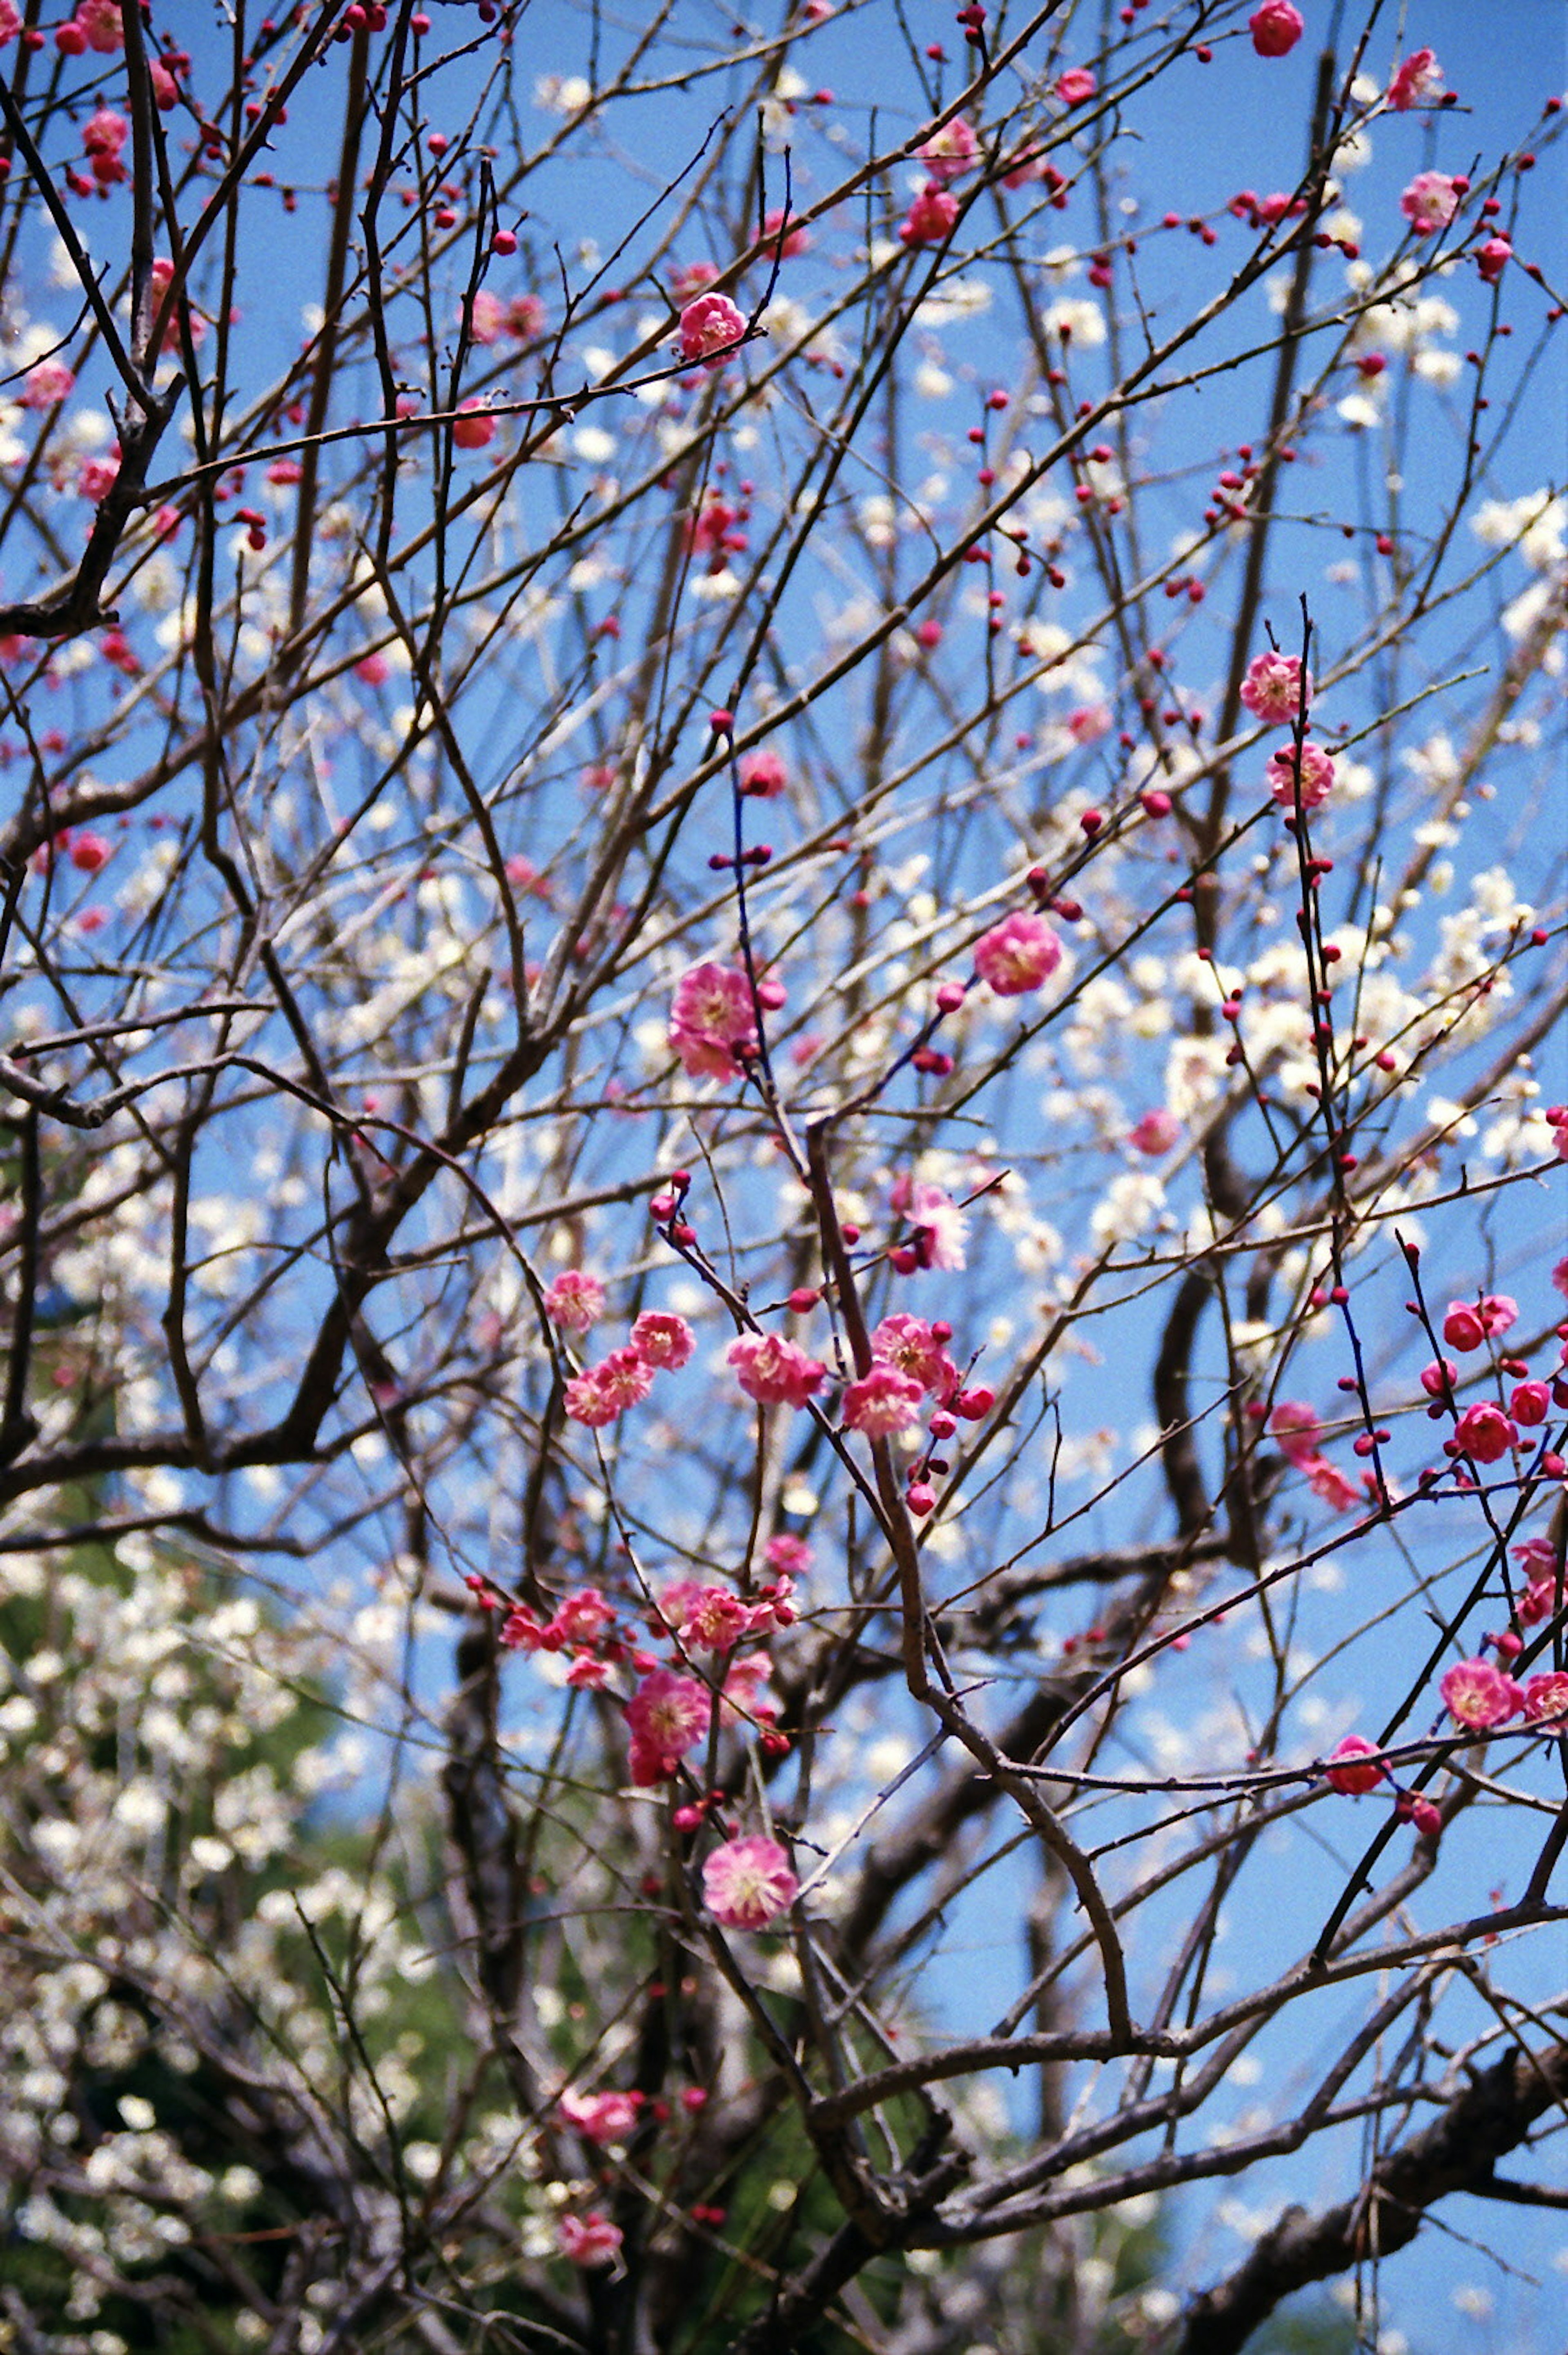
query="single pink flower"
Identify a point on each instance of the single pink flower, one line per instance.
(1430, 202)
(1275, 28)
(525, 317)
(473, 426)
(1330, 1484)
(662, 1339)
(774, 1371)
(96, 477)
(1546, 1697)
(600, 2117)
(708, 1619)
(1296, 1426)
(583, 1617)
(712, 1022)
(1075, 86)
(1485, 1433)
(488, 317)
(590, 2240)
(1317, 777)
(1475, 1694)
(1274, 689)
(912, 1347)
(763, 775)
(929, 221)
(1438, 1379)
(1417, 82)
(1155, 1133)
(793, 241)
(883, 1401)
(748, 1883)
(710, 329)
(746, 1700)
(669, 1715)
(89, 851)
(47, 384)
(1529, 1402)
(790, 1555)
(1343, 1772)
(1017, 955)
(1463, 1327)
(951, 152)
(574, 1300)
(944, 1228)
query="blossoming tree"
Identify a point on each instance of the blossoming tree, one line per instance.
(783, 1457)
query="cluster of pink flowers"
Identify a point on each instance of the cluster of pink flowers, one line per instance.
(47, 384)
(774, 1371)
(1417, 82)
(713, 1022)
(660, 1342)
(1274, 689)
(589, 2240)
(1468, 1323)
(1017, 955)
(881, 1401)
(1295, 1427)
(584, 1624)
(710, 328)
(748, 1883)
(1431, 201)
(1316, 781)
(713, 1619)
(600, 2119)
(521, 317)
(95, 26)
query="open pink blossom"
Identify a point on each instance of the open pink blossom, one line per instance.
(929, 220)
(1546, 1697)
(96, 477)
(1430, 202)
(607, 1390)
(763, 775)
(1541, 1599)
(912, 1347)
(944, 1228)
(710, 329)
(712, 1021)
(1296, 1426)
(1485, 1433)
(46, 384)
(1274, 689)
(583, 1617)
(1477, 1694)
(1155, 1133)
(788, 1554)
(668, 1715)
(10, 22)
(746, 1700)
(951, 152)
(1074, 87)
(1019, 954)
(883, 1401)
(1417, 82)
(1344, 1772)
(590, 2240)
(1317, 777)
(662, 1339)
(1275, 28)
(708, 1619)
(1330, 1484)
(795, 239)
(600, 2117)
(774, 1371)
(574, 1300)
(748, 1883)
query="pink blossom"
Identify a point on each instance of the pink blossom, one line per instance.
(747, 1882)
(1537, 1557)
(590, 2240)
(1317, 777)
(708, 1618)
(883, 1401)
(663, 1339)
(1019, 954)
(689, 279)
(10, 22)
(944, 1228)
(607, 1390)
(89, 851)
(929, 220)
(774, 1371)
(1274, 689)
(1296, 1426)
(1477, 1694)
(1560, 1272)
(575, 1300)
(669, 1715)
(1529, 1402)
(1485, 1433)
(473, 426)
(97, 477)
(583, 1617)
(709, 329)
(525, 317)
(1344, 1774)
(1417, 82)
(763, 775)
(746, 1700)
(103, 135)
(1438, 1379)
(912, 1346)
(47, 384)
(1491, 260)
(1546, 1697)
(951, 152)
(793, 241)
(1155, 1133)
(1430, 202)
(788, 1554)
(600, 2117)
(1075, 86)
(1330, 1484)
(712, 1021)
(1089, 722)
(486, 317)
(1541, 1599)
(1275, 28)
(161, 278)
